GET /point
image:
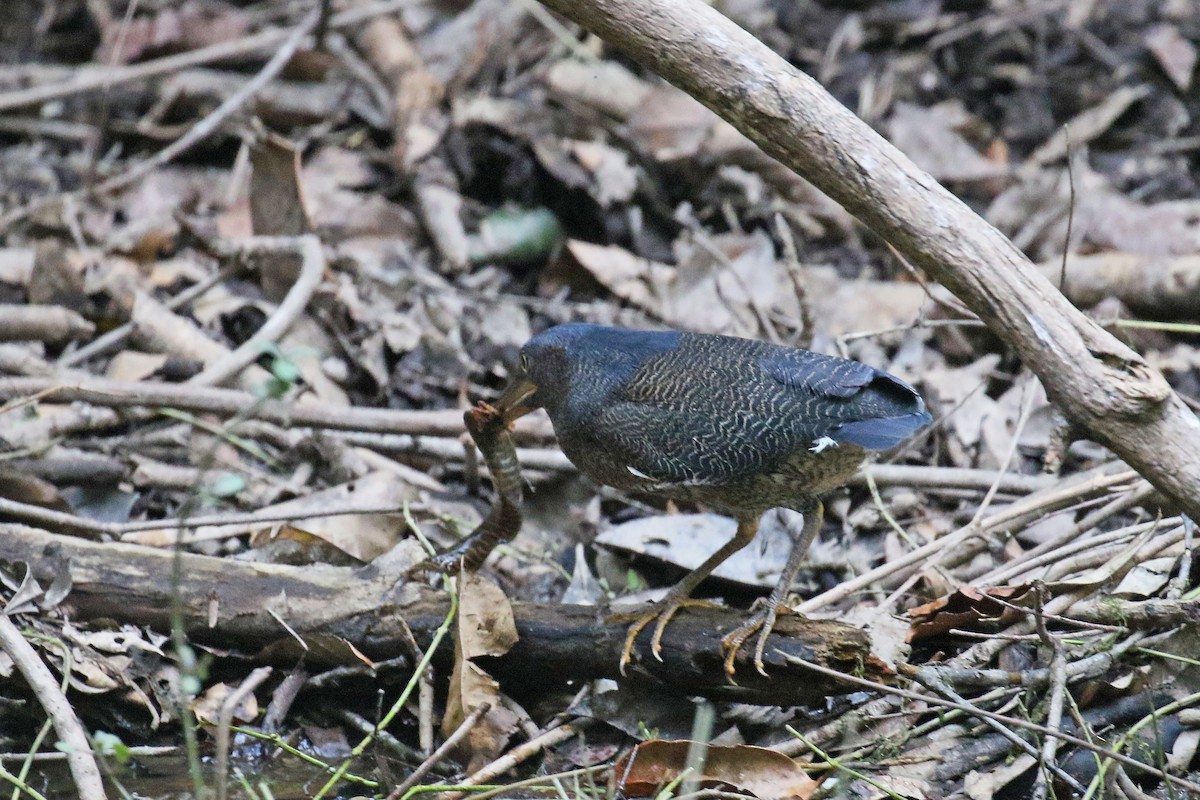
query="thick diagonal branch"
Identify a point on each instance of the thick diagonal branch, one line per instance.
(1103, 386)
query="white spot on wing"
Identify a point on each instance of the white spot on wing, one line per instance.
(637, 473)
(822, 444)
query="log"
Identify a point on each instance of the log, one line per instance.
(234, 604)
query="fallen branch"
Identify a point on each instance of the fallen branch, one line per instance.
(71, 735)
(236, 604)
(1016, 722)
(41, 324)
(230, 402)
(1160, 286)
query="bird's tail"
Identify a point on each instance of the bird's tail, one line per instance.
(900, 413)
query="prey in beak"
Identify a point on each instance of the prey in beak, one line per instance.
(511, 404)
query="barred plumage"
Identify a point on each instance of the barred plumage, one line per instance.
(737, 424)
(730, 422)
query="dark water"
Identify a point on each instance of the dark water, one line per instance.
(166, 777)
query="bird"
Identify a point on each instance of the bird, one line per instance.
(741, 426)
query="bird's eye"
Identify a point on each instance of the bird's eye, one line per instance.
(524, 362)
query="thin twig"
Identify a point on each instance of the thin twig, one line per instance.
(1062, 276)
(999, 726)
(203, 399)
(1150, 719)
(1048, 755)
(984, 652)
(1179, 584)
(209, 125)
(979, 712)
(791, 261)
(225, 720)
(437, 755)
(1038, 502)
(509, 789)
(312, 269)
(1022, 419)
(49, 517)
(400, 703)
(82, 762)
(86, 80)
(117, 336)
(1057, 557)
(1030, 557)
(288, 42)
(520, 754)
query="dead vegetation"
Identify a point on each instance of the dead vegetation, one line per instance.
(257, 258)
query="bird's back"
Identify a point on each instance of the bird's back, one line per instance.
(703, 412)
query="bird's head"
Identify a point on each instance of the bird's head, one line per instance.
(543, 373)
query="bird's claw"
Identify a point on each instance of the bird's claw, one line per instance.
(762, 622)
(663, 611)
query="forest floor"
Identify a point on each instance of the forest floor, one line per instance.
(256, 262)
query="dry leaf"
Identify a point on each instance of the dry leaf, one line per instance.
(686, 540)
(929, 136)
(670, 124)
(207, 707)
(887, 631)
(959, 393)
(970, 608)
(1146, 579)
(638, 280)
(134, 365)
(174, 28)
(318, 650)
(485, 627)
(763, 773)
(614, 178)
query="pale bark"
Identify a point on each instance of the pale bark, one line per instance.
(1100, 384)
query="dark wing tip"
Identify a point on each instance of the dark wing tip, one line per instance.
(884, 433)
(904, 414)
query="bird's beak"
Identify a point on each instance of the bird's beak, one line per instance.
(511, 404)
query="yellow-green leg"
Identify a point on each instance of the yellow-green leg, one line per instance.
(678, 596)
(763, 620)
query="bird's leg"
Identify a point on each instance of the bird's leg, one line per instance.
(678, 596)
(763, 620)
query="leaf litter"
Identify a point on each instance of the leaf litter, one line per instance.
(477, 174)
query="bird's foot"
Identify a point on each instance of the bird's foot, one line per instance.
(761, 621)
(663, 611)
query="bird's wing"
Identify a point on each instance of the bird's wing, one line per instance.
(745, 418)
(823, 376)
(753, 416)
(656, 444)
(858, 404)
